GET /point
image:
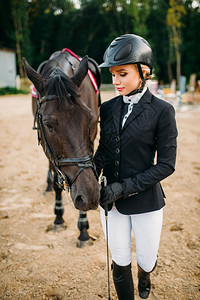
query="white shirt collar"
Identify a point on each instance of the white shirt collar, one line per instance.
(134, 99)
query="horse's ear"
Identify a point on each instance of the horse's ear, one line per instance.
(81, 72)
(35, 78)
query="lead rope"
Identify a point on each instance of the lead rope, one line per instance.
(104, 183)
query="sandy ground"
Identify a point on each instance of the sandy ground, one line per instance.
(40, 264)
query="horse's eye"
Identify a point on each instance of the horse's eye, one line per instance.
(50, 127)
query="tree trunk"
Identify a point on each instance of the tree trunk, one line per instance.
(177, 41)
(169, 69)
(178, 67)
(18, 49)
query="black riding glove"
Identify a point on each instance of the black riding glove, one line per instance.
(111, 193)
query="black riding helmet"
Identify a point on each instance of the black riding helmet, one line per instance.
(129, 49)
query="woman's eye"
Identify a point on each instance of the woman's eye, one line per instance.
(123, 74)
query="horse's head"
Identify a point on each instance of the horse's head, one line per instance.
(64, 128)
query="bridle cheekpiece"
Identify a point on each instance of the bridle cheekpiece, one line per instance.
(82, 163)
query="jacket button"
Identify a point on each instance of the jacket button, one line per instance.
(116, 163)
(117, 138)
(116, 174)
(117, 150)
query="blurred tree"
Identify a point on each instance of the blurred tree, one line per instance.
(190, 39)
(138, 12)
(174, 21)
(15, 32)
(37, 28)
(100, 22)
(7, 35)
(157, 35)
(19, 18)
(45, 20)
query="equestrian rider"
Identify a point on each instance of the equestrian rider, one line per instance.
(137, 149)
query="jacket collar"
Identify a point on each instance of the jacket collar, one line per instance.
(134, 98)
(137, 109)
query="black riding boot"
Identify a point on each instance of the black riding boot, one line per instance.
(144, 283)
(123, 281)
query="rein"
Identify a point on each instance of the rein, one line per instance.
(82, 163)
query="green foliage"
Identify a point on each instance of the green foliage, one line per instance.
(6, 29)
(37, 28)
(190, 46)
(157, 36)
(12, 91)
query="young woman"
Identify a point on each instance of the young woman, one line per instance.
(136, 127)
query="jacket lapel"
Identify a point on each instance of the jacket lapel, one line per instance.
(139, 107)
(116, 111)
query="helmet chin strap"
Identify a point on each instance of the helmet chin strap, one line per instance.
(143, 82)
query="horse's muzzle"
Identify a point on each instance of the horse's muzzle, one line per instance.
(85, 201)
(80, 204)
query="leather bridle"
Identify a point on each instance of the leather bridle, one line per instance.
(82, 163)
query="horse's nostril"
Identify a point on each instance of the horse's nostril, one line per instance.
(79, 202)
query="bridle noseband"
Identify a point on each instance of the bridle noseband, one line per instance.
(82, 163)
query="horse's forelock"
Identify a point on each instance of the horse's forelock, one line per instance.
(63, 87)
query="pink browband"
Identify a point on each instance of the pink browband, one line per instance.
(34, 92)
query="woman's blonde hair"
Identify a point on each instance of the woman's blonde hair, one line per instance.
(144, 68)
(148, 71)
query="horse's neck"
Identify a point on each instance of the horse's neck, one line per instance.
(69, 64)
(65, 62)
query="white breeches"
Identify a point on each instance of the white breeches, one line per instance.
(146, 230)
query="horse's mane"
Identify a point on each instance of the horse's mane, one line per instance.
(59, 84)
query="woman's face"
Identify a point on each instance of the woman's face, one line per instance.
(125, 78)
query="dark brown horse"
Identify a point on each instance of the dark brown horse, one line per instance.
(67, 115)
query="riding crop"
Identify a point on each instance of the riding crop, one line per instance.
(104, 183)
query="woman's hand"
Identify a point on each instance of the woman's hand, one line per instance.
(111, 193)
